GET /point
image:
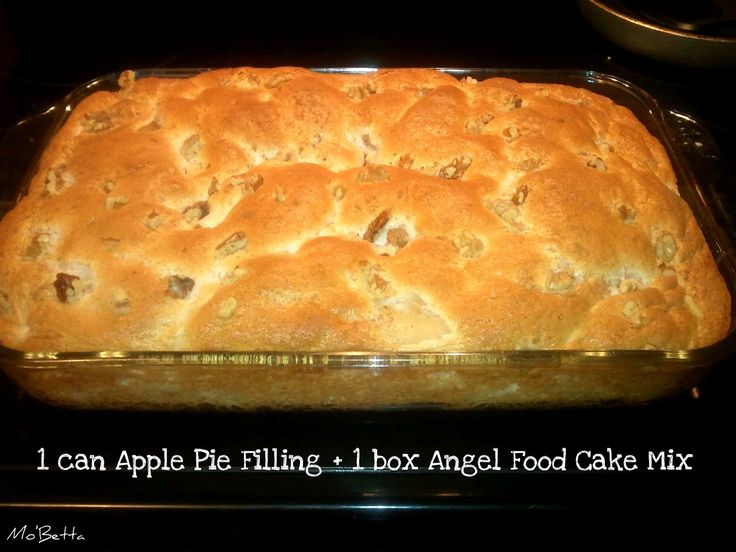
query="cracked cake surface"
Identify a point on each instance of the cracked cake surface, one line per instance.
(399, 210)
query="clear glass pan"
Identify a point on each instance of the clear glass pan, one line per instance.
(260, 379)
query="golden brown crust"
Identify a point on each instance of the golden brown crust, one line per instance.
(279, 209)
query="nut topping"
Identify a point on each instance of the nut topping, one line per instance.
(376, 225)
(196, 211)
(179, 287)
(232, 243)
(64, 286)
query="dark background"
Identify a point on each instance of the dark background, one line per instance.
(47, 50)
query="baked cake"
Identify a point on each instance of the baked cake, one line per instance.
(399, 210)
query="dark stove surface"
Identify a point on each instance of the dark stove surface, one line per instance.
(45, 52)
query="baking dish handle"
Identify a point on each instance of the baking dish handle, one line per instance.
(707, 162)
(19, 151)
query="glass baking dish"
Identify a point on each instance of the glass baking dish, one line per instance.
(251, 380)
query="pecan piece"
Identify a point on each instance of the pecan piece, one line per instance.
(627, 214)
(376, 225)
(63, 284)
(214, 186)
(115, 202)
(511, 103)
(179, 287)
(253, 182)
(98, 121)
(249, 182)
(338, 193)
(38, 246)
(632, 312)
(510, 134)
(277, 80)
(121, 301)
(456, 169)
(232, 243)
(595, 162)
(226, 308)
(154, 220)
(361, 92)
(665, 247)
(506, 210)
(373, 173)
(528, 165)
(406, 161)
(57, 180)
(191, 148)
(196, 211)
(280, 194)
(398, 237)
(468, 245)
(520, 195)
(478, 124)
(559, 281)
